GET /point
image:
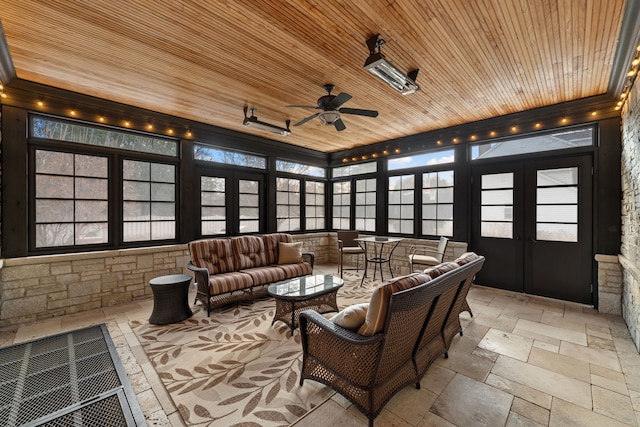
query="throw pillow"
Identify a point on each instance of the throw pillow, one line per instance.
(289, 253)
(440, 269)
(377, 313)
(466, 258)
(352, 317)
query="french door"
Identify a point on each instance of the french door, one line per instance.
(532, 220)
(231, 203)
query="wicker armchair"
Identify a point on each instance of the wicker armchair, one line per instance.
(368, 371)
(348, 246)
(425, 255)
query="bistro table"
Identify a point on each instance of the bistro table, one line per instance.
(382, 248)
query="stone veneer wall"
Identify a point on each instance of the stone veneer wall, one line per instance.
(41, 287)
(630, 249)
(609, 284)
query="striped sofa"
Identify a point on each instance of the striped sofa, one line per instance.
(241, 268)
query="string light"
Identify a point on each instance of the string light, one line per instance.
(631, 78)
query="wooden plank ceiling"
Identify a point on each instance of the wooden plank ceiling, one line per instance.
(206, 60)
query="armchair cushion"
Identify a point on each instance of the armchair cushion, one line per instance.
(352, 317)
(289, 253)
(379, 304)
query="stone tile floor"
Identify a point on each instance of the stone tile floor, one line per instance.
(523, 361)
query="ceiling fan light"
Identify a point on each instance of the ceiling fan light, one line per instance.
(329, 117)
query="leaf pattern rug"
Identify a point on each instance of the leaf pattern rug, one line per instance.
(235, 368)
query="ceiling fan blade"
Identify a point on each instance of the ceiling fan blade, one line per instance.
(340, 99)
(339, 124)
(315, 107)
(359, 112)
(303, 121)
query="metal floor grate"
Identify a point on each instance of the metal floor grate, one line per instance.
(71, 379)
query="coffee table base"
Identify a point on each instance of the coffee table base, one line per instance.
(287, 311)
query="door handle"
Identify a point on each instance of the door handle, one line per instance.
(517, 237)
(533, 240)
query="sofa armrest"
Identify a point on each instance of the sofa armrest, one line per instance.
(201, 277)
(309, 257)
(330, 348)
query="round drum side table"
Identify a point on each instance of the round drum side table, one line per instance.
(170, 299)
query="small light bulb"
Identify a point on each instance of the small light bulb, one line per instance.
(492, 133)
(397, 150)
(594, 113)
(126, 123)
(635, 61)
(72, 112)
(101, 119)
(170, 131)
(623, 95)
(149, 126)
(538, 125)
(631, 73)
(513, 128)
(189, 134)
(40, 103)
(619, 103)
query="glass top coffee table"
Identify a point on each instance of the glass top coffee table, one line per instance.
(304, 293)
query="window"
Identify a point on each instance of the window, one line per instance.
(496, 206)
(80, 133)
(314, 206)
(213, 206)
(148, 201)
(75, 184)
(300, 169)
(287, 204)
(342, 205)
(218, 155)
(357, 169)
(560, 140)
(71, 199)
(557, 205)
(365, 212)
(249, 205)
(437, 203)
(425, 159)
(401, 204)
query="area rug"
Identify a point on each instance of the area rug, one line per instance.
(235, 368)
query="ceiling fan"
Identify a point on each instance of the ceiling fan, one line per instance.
(330, 106)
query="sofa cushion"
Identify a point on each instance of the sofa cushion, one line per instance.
(379, 303)
(352, 317)
(466, 258)
(296, 270)
(213, 254)
(228, 282)
(271, 245)
(289, 253)
(440, 269)
(249, 252)
(266, 274)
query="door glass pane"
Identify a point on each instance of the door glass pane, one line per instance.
(497, 229)
(557, 204)
(552, 195)
(497, 180)
(496, 210)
